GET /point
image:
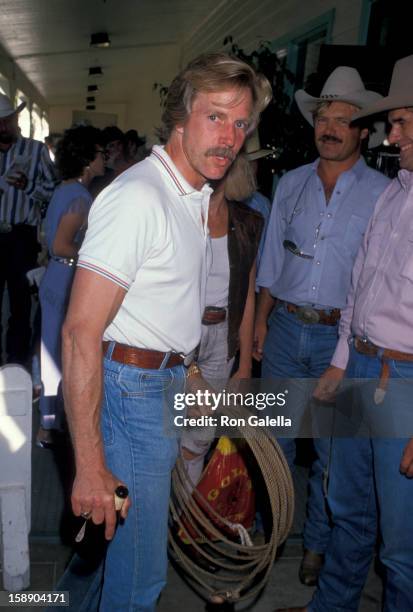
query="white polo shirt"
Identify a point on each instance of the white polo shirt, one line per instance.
(147, 232)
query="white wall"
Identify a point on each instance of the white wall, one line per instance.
(60, 116)
(142, 113)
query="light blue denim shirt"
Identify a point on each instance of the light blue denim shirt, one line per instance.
(332, 234)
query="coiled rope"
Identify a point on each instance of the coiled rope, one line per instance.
(241, 570)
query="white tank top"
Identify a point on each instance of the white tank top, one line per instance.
(217, 286)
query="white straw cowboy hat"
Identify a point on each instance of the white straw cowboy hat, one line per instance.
(343, 85)
(253, 148)
(400, 92)
(6, 107)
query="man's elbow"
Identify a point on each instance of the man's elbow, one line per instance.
(68, 335)
(78, 335)
(75, 333)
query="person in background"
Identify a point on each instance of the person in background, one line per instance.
(117, 159)
(371, 476)
(113, 139)
(257, 201)
(51, 143)
(79, 158)
(317, 222)
(228, 319)
(27, 182)
(134, 146)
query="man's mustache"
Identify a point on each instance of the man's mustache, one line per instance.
(329, 138)
(221, 152)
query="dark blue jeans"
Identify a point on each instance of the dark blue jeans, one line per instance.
(367, 491)
(295, 351)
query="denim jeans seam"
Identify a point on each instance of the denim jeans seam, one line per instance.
(107, 416)
(138, 536)
(357, 561)
(394, 365)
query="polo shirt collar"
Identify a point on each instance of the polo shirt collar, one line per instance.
(168, 167)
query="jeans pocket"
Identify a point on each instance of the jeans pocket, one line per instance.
(402, 369)
(148, 383)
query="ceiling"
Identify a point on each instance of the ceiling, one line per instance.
(49, 40)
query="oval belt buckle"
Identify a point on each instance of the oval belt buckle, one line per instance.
(308, 315)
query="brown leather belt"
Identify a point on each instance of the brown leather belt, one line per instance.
(213, 315)
(309, 315)
(365, 347)
(142, 358)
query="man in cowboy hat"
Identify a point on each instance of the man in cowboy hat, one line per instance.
(371, 478)
(317, 222)
(26, 184)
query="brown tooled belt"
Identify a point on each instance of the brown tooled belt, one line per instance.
(309, 315)
(365, 347)
(142, 358)
(213, 315)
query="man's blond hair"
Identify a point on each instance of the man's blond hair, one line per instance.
(209, 73)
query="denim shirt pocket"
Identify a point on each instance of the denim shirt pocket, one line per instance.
(354, 233)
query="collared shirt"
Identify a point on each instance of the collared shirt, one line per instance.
(147, 232)
(24, 205)
(331, 233)
(380, 301)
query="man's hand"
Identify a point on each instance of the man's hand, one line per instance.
(260, 332)
(265, 304)
(18, 180)
(93, 492)
(328, 384)
(406, 465)
(237, 382)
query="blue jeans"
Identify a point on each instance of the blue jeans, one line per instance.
(134, 420)
(367, 491)
(294, 350)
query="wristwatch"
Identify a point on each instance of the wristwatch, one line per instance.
(193, 370)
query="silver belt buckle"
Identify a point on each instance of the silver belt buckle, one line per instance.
(308, 315)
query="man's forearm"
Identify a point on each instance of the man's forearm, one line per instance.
(82, 388)
(265, 304)
(246, 331)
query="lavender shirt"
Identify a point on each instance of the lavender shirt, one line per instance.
(380, 302)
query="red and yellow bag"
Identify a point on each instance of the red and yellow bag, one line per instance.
(226, 486)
